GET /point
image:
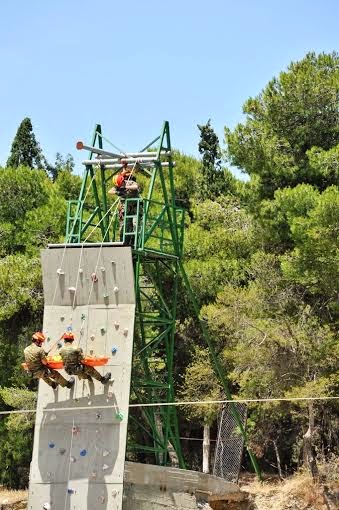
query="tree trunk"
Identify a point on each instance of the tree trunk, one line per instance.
(206, 450)
(277, 456)
(308, 449)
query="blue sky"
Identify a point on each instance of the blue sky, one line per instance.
(131, 64)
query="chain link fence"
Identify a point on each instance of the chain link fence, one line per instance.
(230, 443)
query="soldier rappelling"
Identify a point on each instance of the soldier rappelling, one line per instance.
(72, 358)
(37, 364)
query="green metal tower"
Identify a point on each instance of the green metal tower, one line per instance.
(154, 228)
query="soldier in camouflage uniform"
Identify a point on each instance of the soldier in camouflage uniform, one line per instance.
(125, 186)
(35, 357)
(72, 358)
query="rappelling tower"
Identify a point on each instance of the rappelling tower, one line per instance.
(155, 232)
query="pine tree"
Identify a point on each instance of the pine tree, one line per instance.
(215, 180)
(25, 149)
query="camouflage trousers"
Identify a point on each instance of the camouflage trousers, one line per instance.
(49, 375)
(131, 209)
(84, 372)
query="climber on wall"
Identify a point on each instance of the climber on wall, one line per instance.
(35, 358)
(72, 358)
(125, 186)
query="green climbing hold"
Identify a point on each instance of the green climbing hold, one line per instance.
(119, 416)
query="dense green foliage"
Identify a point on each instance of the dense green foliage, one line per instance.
(262, 258)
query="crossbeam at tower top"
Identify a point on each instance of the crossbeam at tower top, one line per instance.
(107, 157)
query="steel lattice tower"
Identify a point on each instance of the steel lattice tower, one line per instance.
(155, 232)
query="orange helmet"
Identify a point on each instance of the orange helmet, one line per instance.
(39, 337)
(69, 336)
(118, 180)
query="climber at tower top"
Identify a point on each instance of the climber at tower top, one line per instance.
(35, 358)
(125, 186)
(72, 358)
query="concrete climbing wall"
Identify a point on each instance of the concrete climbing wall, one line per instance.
(80, 434)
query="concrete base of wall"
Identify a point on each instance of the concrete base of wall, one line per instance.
(148, 487)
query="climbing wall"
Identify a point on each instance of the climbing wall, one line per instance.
(80, 433)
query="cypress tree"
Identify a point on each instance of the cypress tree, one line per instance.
(25, 148)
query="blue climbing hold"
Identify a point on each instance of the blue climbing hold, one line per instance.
(51, 445)
(69, 328)
(70, 491)
(83, 453)
(114, 350)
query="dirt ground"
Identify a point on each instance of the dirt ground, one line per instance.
(295, 493)
(15, 500)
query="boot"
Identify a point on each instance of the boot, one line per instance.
(70, 383)
(54, 385)
(105, 379)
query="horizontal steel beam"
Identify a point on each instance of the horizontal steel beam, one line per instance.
(80, 146)
(147, 164)
(116, 163)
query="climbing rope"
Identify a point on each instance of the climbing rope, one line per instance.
(96, 268)
(69, 463)
(65, 247)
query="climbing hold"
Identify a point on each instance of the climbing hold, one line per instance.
(62, 318)
(98, 416)
(59, 345)
(119, 416)
(83, 453)
(48, 339)
(125, 331)
(105, 467)
(94, 277)
(72, 289)
(75, 430)
(106, 296)
(102, 499)
(81, 331)
(89, 403)
(51, 445)
(60, 272)
(71, 491)
(103, 269)
(116, 325)
(81, 270)
(112, 261)
(114, 350)
(72, 459)
(91, 352)
(103, 330)
(62, 451)
(83, 316)
(92, 337)
(116, 289)
(109, 395)
(105, 453)
(46, 506)
(93, 475)
(114, 493)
